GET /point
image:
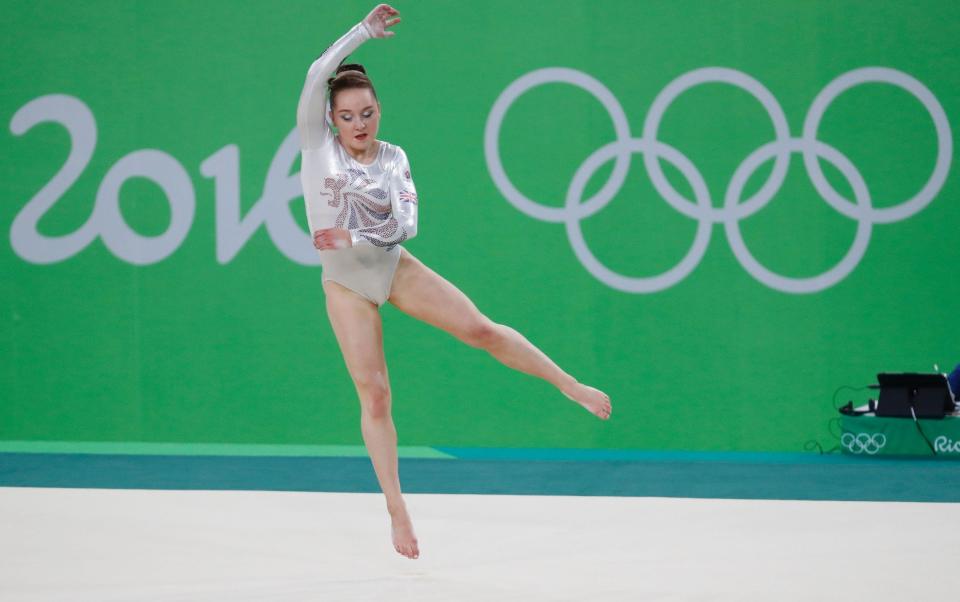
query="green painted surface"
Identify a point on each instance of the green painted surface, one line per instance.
(204, 449)
(192, 350)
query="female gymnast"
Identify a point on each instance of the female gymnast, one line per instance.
(361, 204)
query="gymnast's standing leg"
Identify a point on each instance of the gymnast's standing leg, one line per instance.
(358, 329)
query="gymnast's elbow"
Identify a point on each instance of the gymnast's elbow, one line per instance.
(320, 68)
(411, 230)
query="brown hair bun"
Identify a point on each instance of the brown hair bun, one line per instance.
(351, 75)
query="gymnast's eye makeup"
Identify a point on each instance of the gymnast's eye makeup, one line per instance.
(367, 114)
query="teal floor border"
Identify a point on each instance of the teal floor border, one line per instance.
(143, 448)
(658, 475)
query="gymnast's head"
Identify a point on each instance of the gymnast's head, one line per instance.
(354, 108)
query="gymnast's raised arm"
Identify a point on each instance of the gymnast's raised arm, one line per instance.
(312, 109)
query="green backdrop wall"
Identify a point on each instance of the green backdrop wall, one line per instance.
(169, 292)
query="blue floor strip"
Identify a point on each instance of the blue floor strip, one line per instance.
(816, 478)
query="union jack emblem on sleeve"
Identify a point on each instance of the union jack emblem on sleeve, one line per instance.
(409, 197)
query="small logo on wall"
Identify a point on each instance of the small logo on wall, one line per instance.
(946, 445)
(864, 443)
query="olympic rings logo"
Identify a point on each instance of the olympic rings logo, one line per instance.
(734, 207)
(863, 443)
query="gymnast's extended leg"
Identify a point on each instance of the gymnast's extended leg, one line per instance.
(422, 293)
(359, 331)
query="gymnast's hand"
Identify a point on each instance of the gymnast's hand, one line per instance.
(331, 239)
(379, 20)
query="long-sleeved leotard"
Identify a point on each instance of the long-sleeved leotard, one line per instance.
(376, 202)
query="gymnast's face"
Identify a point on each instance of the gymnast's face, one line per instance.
(356, 114)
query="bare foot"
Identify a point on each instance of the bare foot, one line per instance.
(404, 540)
(594, 400)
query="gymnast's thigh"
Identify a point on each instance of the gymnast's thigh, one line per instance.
(359, 332)
(421, 293)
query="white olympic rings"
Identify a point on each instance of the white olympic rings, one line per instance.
(863, 443)
(734, 209)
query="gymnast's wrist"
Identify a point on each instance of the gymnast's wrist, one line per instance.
(365, 30)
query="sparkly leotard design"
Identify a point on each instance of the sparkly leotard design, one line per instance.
(376, 202)
(371, 210)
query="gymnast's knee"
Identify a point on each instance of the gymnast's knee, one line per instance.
(374, 398)
(483, 334)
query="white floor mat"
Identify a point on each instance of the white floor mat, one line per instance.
(157, 546)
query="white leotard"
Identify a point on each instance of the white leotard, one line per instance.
(377, 203)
